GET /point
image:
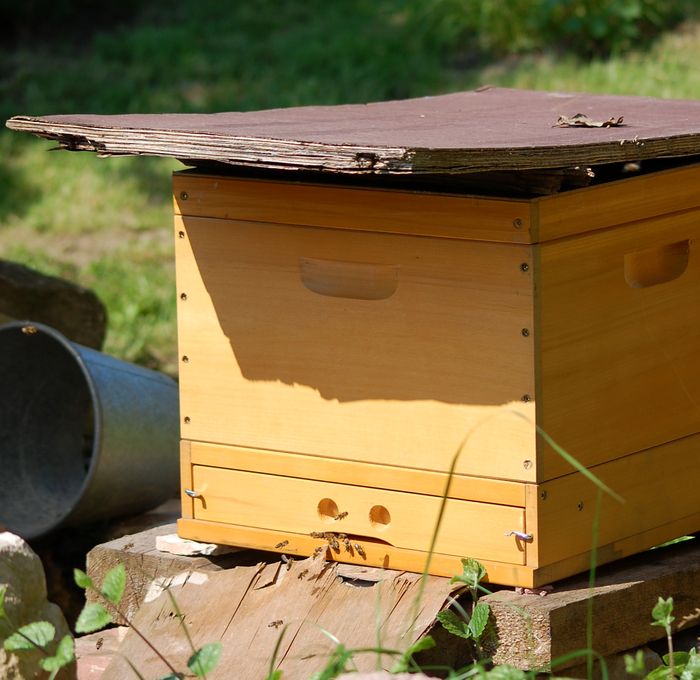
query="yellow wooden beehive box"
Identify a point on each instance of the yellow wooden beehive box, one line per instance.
(348, 348)
(340, 345)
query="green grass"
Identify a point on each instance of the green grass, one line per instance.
(107, 223)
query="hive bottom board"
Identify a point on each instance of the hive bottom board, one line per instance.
(524, 534)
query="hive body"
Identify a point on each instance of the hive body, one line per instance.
(344, 348)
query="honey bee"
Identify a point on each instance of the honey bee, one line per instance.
(340, 515)
(288, 561)
(128, 546)
(346, 543)
(282, 544)
(360, 551)
(318, 551)
(334, 544)
(302, 574)
(30, 330)
(99, 643)
(317, 534)
(275, 624)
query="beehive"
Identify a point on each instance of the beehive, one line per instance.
(377, 372)
(341, 345)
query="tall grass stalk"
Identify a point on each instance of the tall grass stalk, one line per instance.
(595, 536)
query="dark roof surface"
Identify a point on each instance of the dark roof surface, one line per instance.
(487, 129)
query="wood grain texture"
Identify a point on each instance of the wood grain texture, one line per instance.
(404, 380)
(616, 203)
(143, 564)
(248, 609)
(375, 554)
(185, 477)
(377, 475)
(467, 131)
(618, 368)
(622, 547)
(404, 520)
(532, 630)
(94, 652)
(658, 487)
(403, 212)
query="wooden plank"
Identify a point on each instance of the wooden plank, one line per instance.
(618, 367)
(566, 507)
(94, 652)
(616, 203)
(375, 553)
(248, 609)
(376, 475)
(618, 549)
(404, 520)
(488, 129)
(144, 564)
(532, 631)
(316, 205)
(186, 478)
(273, 364)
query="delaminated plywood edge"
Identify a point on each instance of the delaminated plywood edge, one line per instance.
(294, 155)
(461, 132)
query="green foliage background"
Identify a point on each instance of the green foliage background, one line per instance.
(106, 223)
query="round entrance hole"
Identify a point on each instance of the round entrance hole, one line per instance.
(379, 517)
(327, 509)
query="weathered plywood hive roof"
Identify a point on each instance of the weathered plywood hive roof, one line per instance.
(488, 129)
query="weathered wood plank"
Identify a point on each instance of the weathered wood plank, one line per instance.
(94, 652)
(238, 605)
(249, 608)
(532, 631)
(488, 129)
(144, 564)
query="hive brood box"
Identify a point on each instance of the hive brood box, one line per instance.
(341, 344)
(345, 360)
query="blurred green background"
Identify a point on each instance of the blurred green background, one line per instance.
(106, 223)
